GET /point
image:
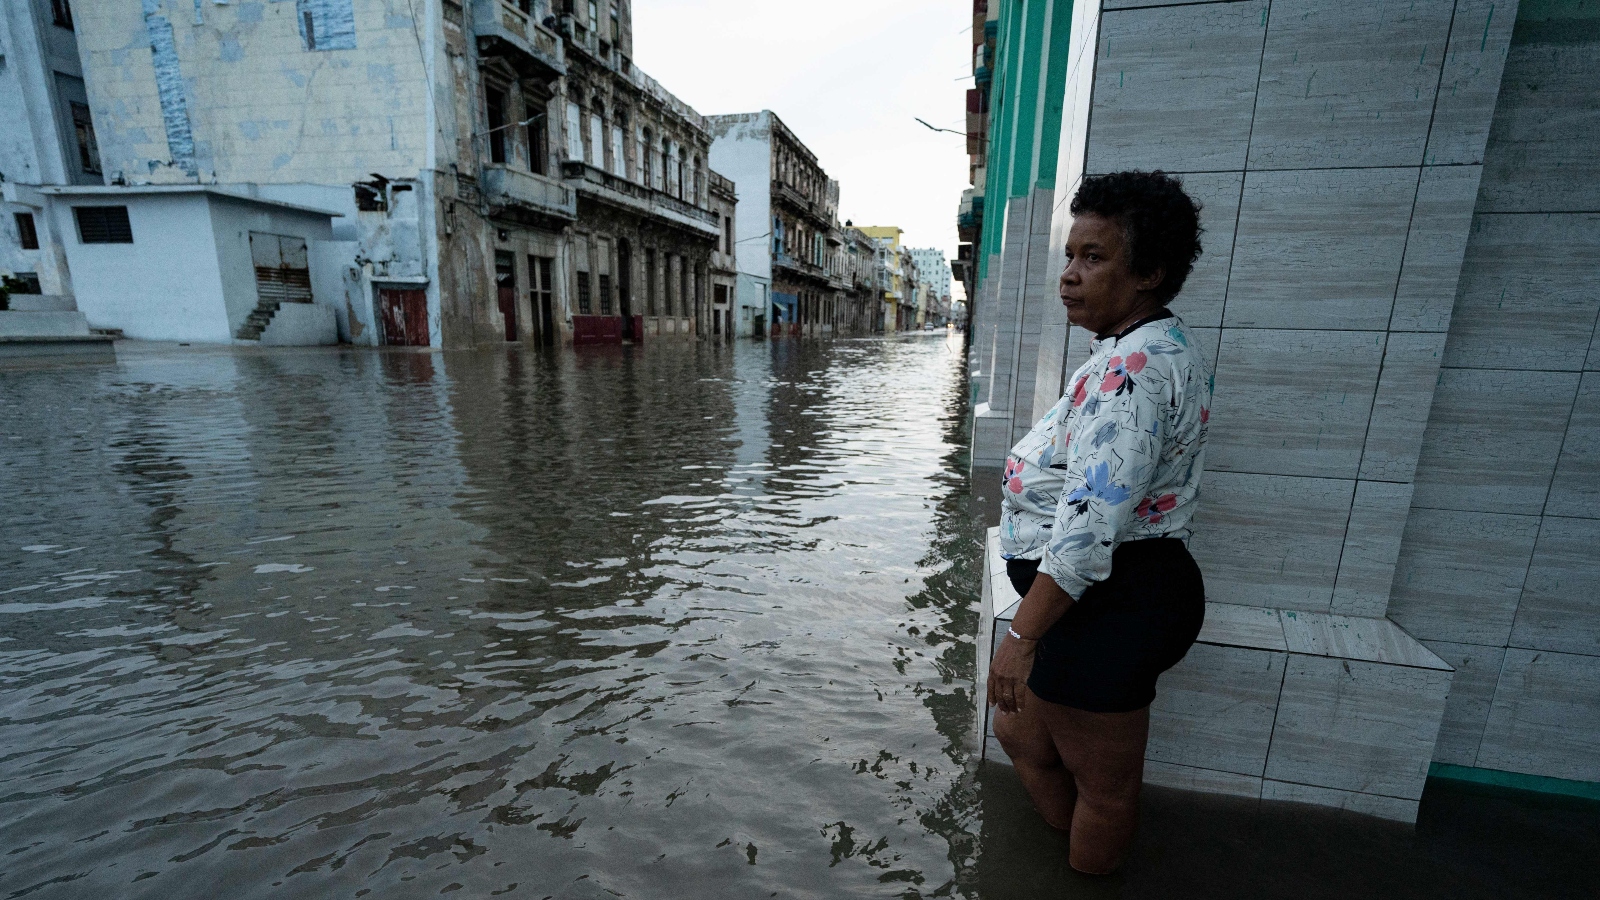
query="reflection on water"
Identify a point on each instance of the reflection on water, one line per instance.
(641, 623)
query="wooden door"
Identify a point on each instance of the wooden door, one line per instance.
(405, 317)
(508, 309)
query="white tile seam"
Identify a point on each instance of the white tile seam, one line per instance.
(1238, 213)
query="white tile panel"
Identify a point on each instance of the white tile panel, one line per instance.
(1320, 249)
(1460, 575)
(1541, 155)
(1576, 488)
(1492, 439)
(1250, 627)
(1560, 606)
(1348, 84)
(1271, 540)
(1355, 638)
(1205, 781)
(1175, 88)
(1529, 293)
(1545, 719)
(1471, 690)
(1357, 726)
(1400, 409)
(1201, 300)
(1436, 243)
(1479, 38)
(1214, 710)
(1367, 804)
(1293, 402)
(1371, 547)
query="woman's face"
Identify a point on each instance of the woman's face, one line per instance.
(1098, 286)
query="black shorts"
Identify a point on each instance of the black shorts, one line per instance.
(1105, 654)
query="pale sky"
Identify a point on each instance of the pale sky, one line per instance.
(847, 76)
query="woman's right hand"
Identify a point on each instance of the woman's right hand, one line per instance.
(1008, 673)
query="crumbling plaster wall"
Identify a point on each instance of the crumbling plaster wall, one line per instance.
(262, 108)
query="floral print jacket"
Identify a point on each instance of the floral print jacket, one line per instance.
(1117, 459)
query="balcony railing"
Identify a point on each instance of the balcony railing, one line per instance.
(503, 30)
(631, 195)
(794, 198)
(719, 182)
(505, 187)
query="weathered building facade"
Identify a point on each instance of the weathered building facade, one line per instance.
(499, 169)
(791, 280)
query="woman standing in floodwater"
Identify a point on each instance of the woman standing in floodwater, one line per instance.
(1098, 498)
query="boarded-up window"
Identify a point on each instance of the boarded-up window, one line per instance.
(88, 147)
(282, 273)
(326, 24)
(103, 224)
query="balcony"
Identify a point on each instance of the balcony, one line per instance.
(633, 197)
(513, 189)
(787, 194)
(798, 266)
(505, 31)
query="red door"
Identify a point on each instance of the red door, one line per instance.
(405, 317)
(508, 309)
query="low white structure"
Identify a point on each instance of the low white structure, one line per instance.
(194, 263)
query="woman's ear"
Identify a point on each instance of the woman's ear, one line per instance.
(1153, 280)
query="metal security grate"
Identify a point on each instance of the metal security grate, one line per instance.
(278, 285)
(103, 224)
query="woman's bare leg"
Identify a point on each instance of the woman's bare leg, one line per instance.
(1027, 740)
(1105, 754)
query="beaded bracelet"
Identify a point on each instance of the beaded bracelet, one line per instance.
(1013, 632)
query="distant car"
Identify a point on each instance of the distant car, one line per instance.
(927, 326)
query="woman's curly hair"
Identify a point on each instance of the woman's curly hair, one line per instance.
(1161, 222)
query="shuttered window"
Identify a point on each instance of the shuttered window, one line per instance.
(103, 224)
(283, 274)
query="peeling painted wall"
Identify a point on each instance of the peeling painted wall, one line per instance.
(169, 88)
(166, 90)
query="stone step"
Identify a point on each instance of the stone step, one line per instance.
(1277, 704)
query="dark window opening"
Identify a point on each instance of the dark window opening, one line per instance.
(538, 144)
(63, 13)
(495, 102)
(22, 283)
(727, 235)
(27, 232)
(88, 147)
(103, 224)
(650, 280)
(370, 197)
(605, 295)
(583, 293)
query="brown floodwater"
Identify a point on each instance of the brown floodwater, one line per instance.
(640, 622)
(645, 622)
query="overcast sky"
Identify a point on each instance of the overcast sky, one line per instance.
(847, 76)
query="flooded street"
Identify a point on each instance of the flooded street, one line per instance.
(640, 622)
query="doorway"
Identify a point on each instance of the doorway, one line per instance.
(541, 297)
(404, 312)
(625, 288)
(505, 284)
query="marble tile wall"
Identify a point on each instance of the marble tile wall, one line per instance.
(1336, 219)
(1293, 528)
(1498, 570)
(1545, 718)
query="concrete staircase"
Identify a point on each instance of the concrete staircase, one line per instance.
(1276, 704)
(258, 320)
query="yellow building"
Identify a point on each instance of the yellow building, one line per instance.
(894, 295)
